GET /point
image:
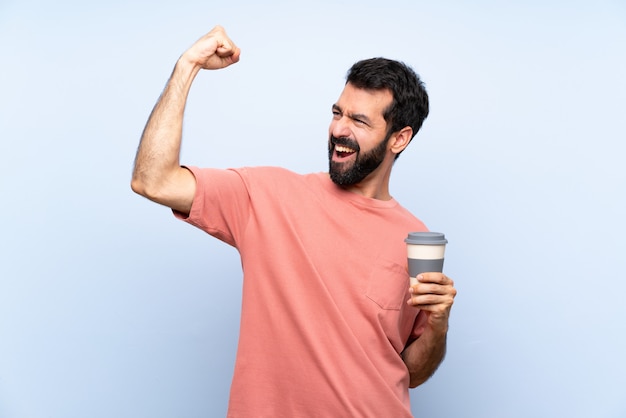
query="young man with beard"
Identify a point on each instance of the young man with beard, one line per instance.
(329, 325)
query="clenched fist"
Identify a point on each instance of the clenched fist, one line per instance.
(213, 51)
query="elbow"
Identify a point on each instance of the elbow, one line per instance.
(154, 191)
(142, 188)
(138, 186)
(172, 190)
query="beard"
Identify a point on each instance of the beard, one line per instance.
(350, 173)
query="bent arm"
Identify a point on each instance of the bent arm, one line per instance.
(424, 355)
(157, 174)
(434, 294)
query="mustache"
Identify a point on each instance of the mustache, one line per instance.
(346, 142)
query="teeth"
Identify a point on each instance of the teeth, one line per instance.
(341, 148)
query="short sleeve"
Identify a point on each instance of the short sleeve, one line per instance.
(221, 205)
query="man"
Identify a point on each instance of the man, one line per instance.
(326, 328)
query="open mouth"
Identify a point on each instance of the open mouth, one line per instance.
(343, 152)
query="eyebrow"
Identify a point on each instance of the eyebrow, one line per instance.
(360, 116)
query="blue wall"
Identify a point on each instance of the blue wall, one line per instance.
(110, 307)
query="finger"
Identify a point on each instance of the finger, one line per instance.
(432, 303)
(434, 277)
(432, 309)
(226, 48)
(431, 299)
(231, 54)
(429, 288)
(219, 43)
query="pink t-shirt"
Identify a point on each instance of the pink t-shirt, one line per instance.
(324, 316)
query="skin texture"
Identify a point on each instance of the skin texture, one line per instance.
(434, 293)
(158, 174)
(357, 120)
(358, 115)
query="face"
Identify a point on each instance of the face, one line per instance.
(357, 135)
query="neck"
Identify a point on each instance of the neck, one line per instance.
(375, 185)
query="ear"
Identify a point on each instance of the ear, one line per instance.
(400, 140)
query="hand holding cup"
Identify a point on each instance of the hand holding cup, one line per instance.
(430, 289)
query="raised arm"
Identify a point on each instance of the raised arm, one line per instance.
(157, 174)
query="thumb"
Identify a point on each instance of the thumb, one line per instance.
(225, 49)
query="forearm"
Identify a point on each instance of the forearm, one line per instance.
(159, 150)
(158, 174)
(424, 355)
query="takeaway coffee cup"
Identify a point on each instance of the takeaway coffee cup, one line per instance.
(425, 252)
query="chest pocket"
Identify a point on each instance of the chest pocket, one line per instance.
(388, 284)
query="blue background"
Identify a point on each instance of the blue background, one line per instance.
(109, 307)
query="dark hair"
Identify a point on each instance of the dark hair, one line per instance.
(410, 99)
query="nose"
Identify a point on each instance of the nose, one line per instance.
(340, 127)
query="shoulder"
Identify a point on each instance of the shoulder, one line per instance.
(410, 219)
(278, 176)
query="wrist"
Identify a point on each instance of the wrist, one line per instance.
(187, 65)
(184, 73)
(437, 330)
